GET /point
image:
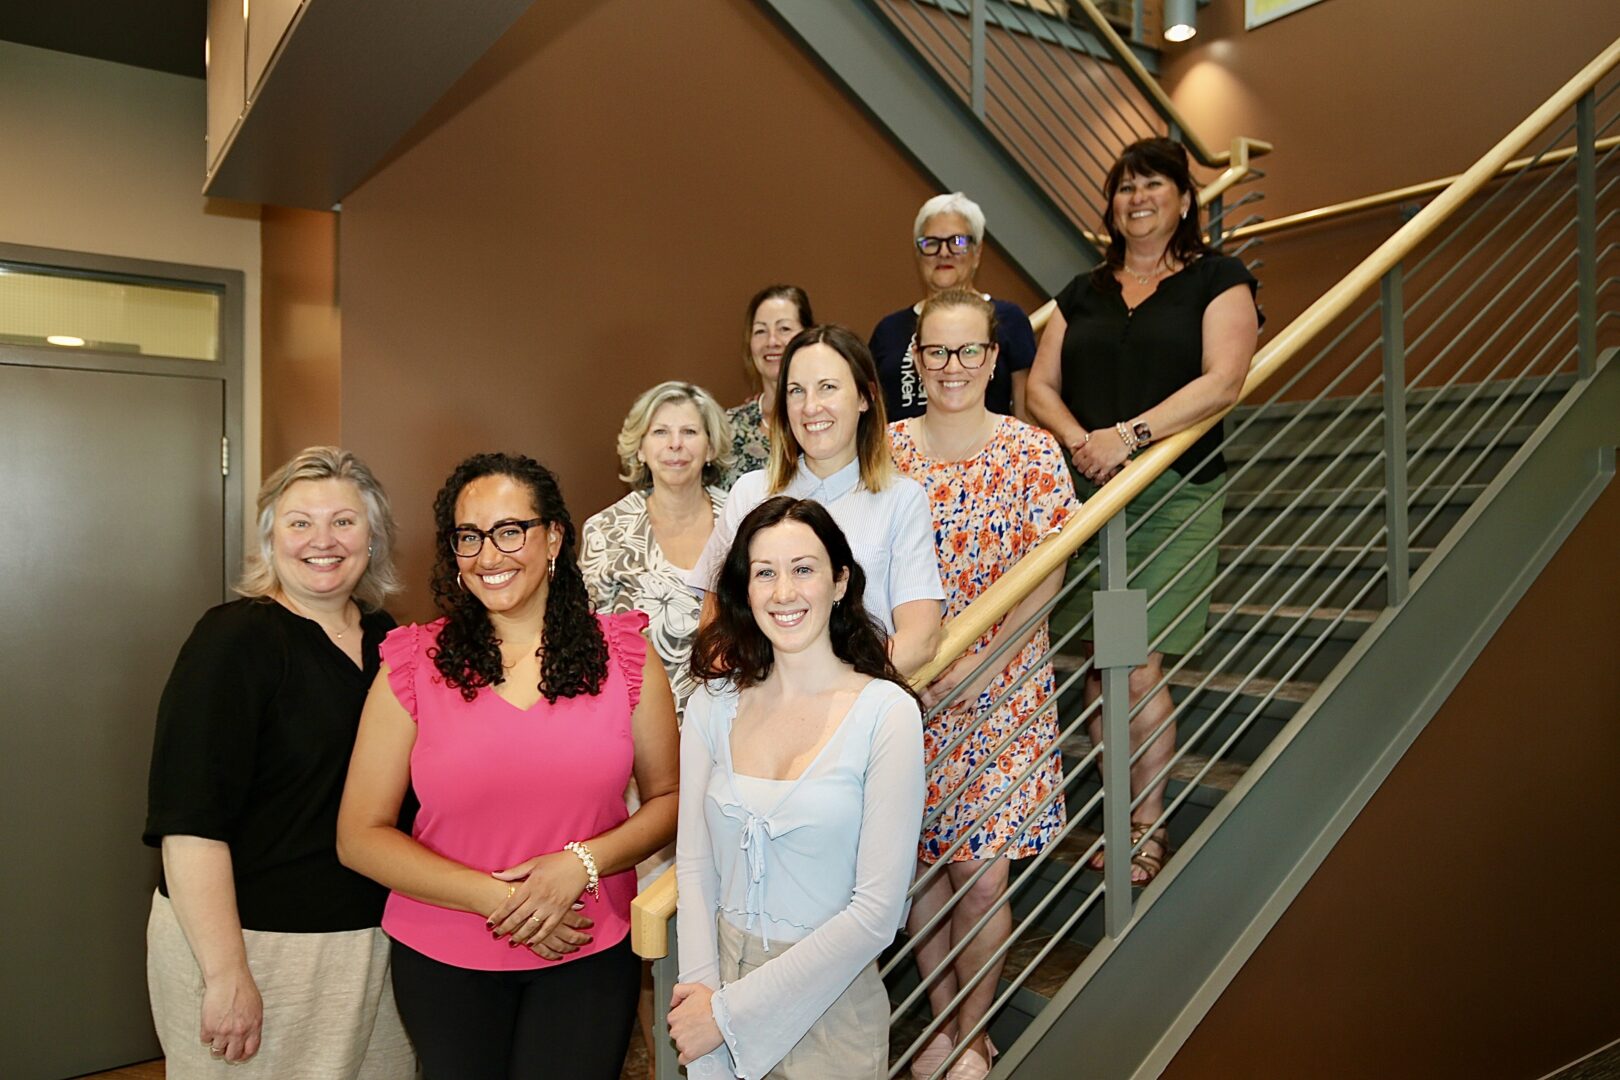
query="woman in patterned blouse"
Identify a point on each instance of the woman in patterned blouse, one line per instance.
(635, 554)
(996, 486)
(775, 314)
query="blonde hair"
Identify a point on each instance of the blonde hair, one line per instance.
(381, 580)
(958, 298)
(871, 430)
(715, 425)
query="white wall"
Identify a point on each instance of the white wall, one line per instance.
(108, 158)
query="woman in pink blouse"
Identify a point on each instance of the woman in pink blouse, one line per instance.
(517, 719)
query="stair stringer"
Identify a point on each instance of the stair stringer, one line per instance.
(860, 50)
(1129, 1007)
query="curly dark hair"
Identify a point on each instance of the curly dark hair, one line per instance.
(573, 651)
(733, 647)
(1151, 157)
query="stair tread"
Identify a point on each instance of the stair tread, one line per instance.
(1315, 549)
(1293, 446)
(1294, 690)
(1223, 776)
(1361, 615)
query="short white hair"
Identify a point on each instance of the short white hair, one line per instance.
(954, 203)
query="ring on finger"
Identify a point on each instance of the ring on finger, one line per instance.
(535, 918)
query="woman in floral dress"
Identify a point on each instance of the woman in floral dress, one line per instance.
(996, 487)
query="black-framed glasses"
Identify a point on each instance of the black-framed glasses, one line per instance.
(955, 244)
(970, 356)
(507, 536)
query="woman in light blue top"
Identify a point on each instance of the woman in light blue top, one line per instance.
(801, 802)
(830, 443)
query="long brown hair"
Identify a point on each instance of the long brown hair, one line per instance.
(731, 646)
(871, 430)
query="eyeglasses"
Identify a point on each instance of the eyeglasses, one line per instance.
(971, 355)
(507, 536)
(957, 244)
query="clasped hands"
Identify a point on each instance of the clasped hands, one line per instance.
(1100, 455)
(541, 908)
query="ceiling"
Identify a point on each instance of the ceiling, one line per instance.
(165, 35)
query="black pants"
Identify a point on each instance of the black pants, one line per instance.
(568, 1022)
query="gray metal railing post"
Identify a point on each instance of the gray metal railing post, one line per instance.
(1586, 234)
(1217, 221)
(976, 55)
(1392, 308)
(1120, 624)
(666, 1062)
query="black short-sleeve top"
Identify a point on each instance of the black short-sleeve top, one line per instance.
(1119, 362)
(254, 733)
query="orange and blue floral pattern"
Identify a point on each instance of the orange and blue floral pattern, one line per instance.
(988, 511)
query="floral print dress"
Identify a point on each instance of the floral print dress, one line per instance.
(988, 511)
(750, 443)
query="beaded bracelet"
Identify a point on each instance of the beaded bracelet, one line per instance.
(1126, 436)
(584, 855)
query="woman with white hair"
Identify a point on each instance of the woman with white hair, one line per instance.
(948, 235)
(263, 951)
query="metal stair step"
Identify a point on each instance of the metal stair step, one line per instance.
(1358, 497)
(1188, 679)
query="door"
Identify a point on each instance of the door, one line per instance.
(112, 543)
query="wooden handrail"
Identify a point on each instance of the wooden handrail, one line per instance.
(650, 913)
(1149, 86)
(1399, 195)
(1050, 554)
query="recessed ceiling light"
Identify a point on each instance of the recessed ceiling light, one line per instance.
(66, 340)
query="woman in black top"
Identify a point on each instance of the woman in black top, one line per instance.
(261, 945)
(1155, 339)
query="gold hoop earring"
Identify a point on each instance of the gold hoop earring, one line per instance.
(460, 584)
(551, 570)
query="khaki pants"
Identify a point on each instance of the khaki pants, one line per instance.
(850, 1041)
(328, 1006)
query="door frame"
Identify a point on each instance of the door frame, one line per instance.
(227, 369)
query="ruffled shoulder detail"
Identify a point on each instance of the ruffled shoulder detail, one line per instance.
(627, 647)
(403, 650)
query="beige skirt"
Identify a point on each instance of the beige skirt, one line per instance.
(850, 1041)
(328, 1005)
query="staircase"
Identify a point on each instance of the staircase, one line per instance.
(1293, 596)
(1373, 539)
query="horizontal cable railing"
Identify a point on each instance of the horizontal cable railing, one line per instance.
(1489, 305)
(1062, 102)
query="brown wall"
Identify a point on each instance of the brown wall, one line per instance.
(585, 214)
(1362, 96)
(1465, 924)
(301, 332)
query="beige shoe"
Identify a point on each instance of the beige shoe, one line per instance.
(932, 1056)
(970, 1066)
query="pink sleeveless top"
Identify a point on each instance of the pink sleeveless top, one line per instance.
(499, 785)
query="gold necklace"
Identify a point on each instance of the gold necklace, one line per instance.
(1144, 279)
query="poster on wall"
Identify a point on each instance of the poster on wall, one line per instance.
(1259, 12)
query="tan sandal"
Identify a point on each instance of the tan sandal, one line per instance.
(1139, 829)
(1148, 864)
